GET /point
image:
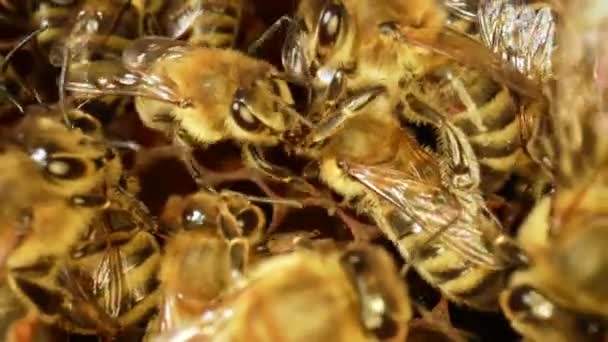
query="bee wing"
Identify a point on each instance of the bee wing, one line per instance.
(464, 9)
(108, 280)
(82, 305)
(523, 34)
(472, 53)
(141, 53)
(111, 78)
(433, 208)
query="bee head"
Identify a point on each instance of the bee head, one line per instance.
(384, 302)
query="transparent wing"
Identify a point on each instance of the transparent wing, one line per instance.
(434, 209)
(464, 9)
(111, 78)
(472, 53)
(521, 33)
(142, 53)
(109, 280)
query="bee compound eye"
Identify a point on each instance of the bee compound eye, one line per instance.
(330, 23)
(244, 118)
(356, 262)
(66, 168)
(387, 329)
(86, 124)
(194, 218)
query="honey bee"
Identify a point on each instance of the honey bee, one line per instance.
(344, 47)
(560, 293)
(428, 205)
(227, 96)
(87, 260)
(353, 294)
(212, 23)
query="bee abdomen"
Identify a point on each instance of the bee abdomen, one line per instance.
(461, 281)
(217, 26)
(497, 142)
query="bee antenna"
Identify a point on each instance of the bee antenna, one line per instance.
(62, 77)
(20, 44)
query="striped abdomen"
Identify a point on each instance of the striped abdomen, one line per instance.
(459, 278)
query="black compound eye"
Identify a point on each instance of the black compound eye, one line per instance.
(244, 118)
(387, 329)
(86, 124)
(194, 218)
(66, 168)
(356, 262)
(249, 220)
(330, 23)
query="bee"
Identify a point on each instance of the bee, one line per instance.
(87, 261)
(561, 291)
(212, 23)
(353, 294)
(227, 96)
(428, 204)
(344, 47)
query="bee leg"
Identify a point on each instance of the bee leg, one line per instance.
(461, 158)
(510, 252)
(268, 34)
(238, 250)
(253, 157)
(346, 109)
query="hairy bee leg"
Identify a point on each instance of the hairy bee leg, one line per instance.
(347, 109)
(268, 34)
(466, 99)
(253, 157)
(461, 158)
(238, 250)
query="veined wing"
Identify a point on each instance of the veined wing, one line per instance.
(521, 33)
(436, 211)
(472, 53)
